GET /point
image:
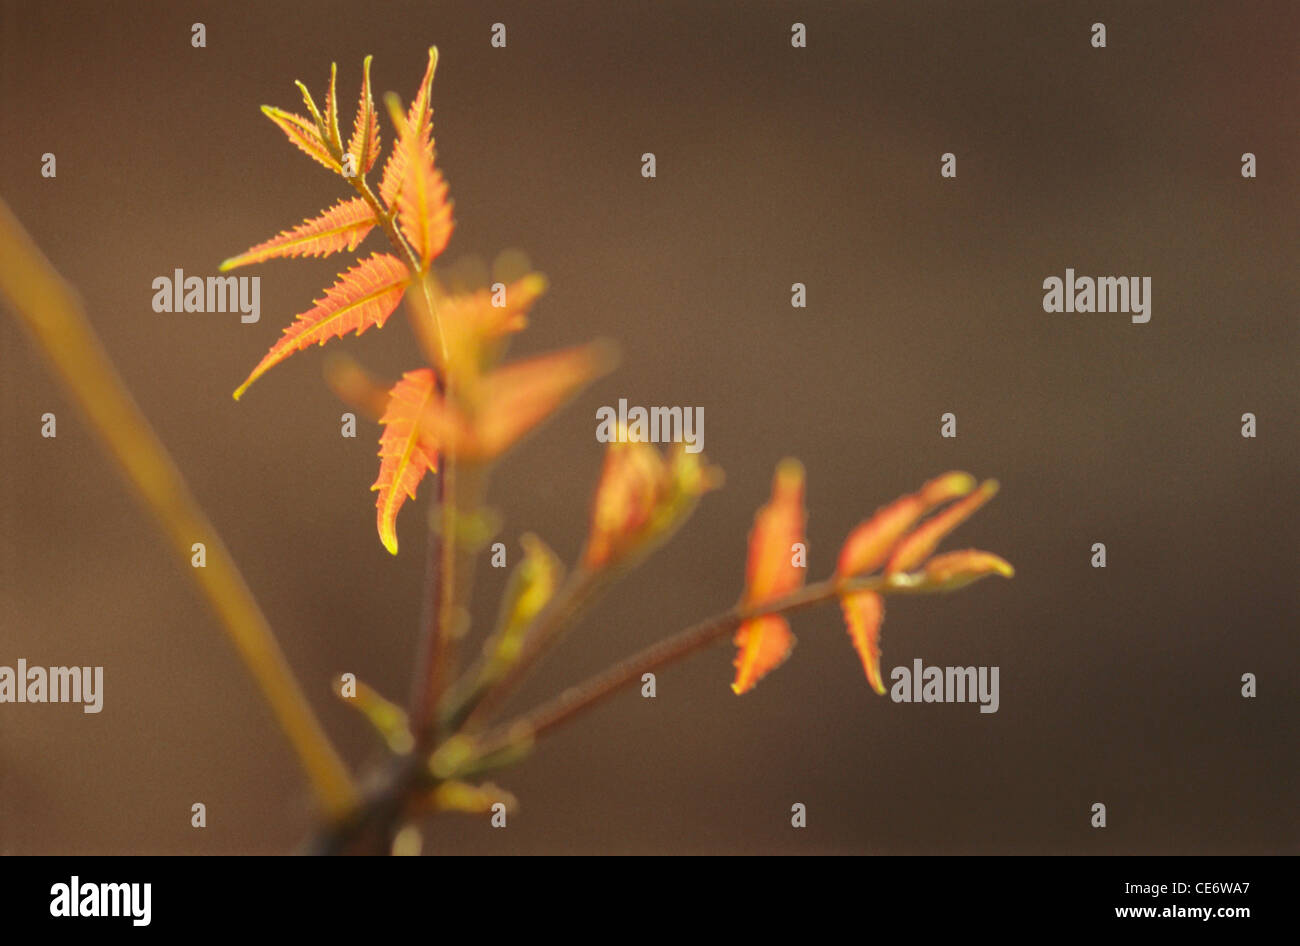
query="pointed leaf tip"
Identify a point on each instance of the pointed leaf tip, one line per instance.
(763, 644)
(406, 454)
(770, 572)
(342, 226)
(365, 295)
(955, 570)
(864, 612)
(870, 544)
(364, 143)
(920, 545)
(304, 133)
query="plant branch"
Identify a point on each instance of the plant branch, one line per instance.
(431, 669)
(577, 699)
(577, 591)
(54, 317)
(385, 219)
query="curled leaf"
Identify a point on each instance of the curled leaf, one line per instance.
(642, 498)
(920, 545)
(365, 295)
(868, 546)
(632, 481)
(343, 226)
(954, 570)
(405, 455)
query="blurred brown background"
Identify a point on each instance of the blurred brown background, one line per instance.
(775, 165)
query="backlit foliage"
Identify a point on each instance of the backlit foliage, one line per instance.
(463, 408)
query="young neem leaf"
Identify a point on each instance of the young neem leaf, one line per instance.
(365, 295)
(765, 642)
(864, 611)
(343, 226)
(304, 133)
(364, 143)
(404, 455)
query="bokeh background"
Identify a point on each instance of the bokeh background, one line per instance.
(775, 166)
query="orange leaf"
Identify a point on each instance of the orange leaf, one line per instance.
(764, 644)
(343, 226)
(632, 481)
(869, 545)
(863, 613)
(770, 573)
(364, 143)
(470, 321)
(405, 455)
(519, 396)
(420, 119)
(513, 400)
(423, 211)
(955, 570)
(355, 386)
(303, 133)
(365, 295)
(920, 545)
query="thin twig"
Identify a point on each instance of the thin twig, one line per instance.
(555, 618)
(576, 699)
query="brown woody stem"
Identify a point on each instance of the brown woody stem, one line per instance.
(576, 699)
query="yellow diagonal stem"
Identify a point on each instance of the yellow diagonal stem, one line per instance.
(53, 315)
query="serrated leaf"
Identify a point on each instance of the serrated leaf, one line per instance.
(420, 119)
(770, 573)
(763, 644)
(405, 456)
(864, 611)
(303, 133)
(341, 227)
(365, 295)
(364, 143)
(423, 212)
